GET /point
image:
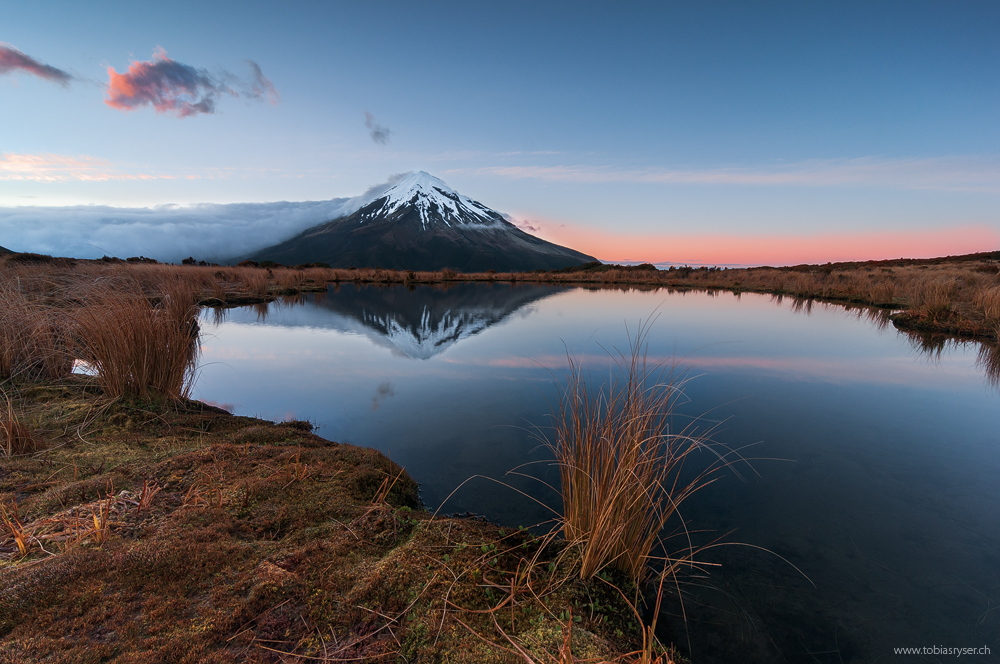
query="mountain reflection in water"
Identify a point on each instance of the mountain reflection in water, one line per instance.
(418, 322)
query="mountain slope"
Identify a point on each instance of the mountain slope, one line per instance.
(422, 224)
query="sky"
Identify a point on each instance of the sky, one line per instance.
(727, 133)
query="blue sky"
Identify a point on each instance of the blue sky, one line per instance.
(652, 131)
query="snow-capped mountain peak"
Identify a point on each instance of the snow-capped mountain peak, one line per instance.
(417, 222)
(434, 201)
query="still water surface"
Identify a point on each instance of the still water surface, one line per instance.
(873, 462)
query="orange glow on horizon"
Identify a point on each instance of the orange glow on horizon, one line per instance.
(775, 249)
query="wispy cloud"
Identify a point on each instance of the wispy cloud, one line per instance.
(964, 173)
(523, 224)
(173, 87)
(13, 60)
(64, 168)
(378, 133)
(86, 168)
(527, 153)
(261, 85)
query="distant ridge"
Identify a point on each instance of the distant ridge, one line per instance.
(422, 224)
(900, 262)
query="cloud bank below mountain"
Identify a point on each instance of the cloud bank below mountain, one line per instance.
(167, 233)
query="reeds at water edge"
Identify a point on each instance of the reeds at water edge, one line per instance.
(137, 347)
(621, 464)
(934, 297)
(987, 301)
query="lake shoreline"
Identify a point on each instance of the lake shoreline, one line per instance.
(957, 296)
(196, 535)
(953, 295)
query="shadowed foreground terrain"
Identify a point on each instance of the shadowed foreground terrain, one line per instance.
(145, 531)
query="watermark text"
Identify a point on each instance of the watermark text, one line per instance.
(942, 650)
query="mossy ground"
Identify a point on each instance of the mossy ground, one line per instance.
(176, 532)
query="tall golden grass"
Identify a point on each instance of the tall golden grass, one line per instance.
(987, 301)
(35, 337)
(621, 463)
(15, 437)
(934, 297)
(14, 316)
(255, 281)
(137, 347)
(135, 325)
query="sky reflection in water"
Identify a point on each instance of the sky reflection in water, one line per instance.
(874, 462)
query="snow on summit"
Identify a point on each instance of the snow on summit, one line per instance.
(433, 199)
(417, 222)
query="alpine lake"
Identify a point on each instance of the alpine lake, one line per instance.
(861, 512)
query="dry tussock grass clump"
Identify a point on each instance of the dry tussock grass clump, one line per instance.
(15, 321)
(15, 437)
(987, 302)
(177, 299)
(934, 298)
(881, 292)
(289, 280)
(254, 281)
(620, 464)
(136, 347)
(34, 338)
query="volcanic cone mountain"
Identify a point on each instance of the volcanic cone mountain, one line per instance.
(420, 223)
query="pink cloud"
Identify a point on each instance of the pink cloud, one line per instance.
(62, 168)
(85, 168)
(173, 87)
(523, 224)
(12, 60)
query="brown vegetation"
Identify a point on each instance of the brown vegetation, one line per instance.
(135, 324)
(620, 464)
(15, 437)
(136, 347)
(954, 295)
(170, 531)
